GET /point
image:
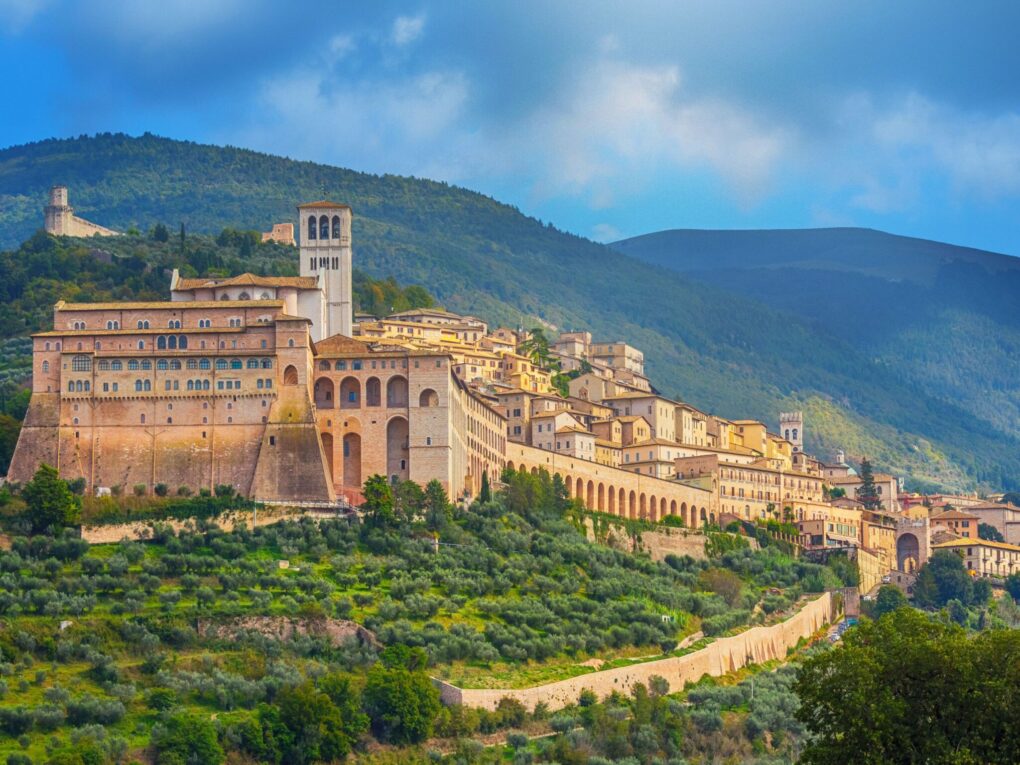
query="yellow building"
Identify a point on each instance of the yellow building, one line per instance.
(984, 558)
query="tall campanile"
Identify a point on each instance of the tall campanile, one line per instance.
(326, 253)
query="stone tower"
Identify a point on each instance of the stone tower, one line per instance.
(791, 427)
(58, 213)
(325, 231)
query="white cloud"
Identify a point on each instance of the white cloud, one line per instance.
(341, 46)
(407, 29)
(606, 232)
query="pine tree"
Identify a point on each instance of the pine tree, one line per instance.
(867, 492)
(485, 493)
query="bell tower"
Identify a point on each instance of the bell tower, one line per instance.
(325, 253)
(791, 428)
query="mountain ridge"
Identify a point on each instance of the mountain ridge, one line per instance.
(733, 355)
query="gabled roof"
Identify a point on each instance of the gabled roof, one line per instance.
(340, 344)
(250, 280)
(978, 543)
(323, 203)
(953, 515)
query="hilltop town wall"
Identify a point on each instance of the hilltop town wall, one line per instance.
(754, 646)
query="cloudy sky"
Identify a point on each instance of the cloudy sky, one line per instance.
(609, 119)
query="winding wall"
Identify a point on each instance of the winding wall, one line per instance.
(754, 646)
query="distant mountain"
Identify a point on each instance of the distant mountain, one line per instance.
(945, 319)
(727, 353)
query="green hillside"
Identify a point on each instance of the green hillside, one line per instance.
(945, 318)
(725, 353)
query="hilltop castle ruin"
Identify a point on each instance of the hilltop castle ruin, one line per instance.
(61, 220)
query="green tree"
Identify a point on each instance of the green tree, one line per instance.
(909, 689)
(401, 703)
(160, 233)
(536, 348)
(49, 501)
(889, 599)
(485, 493)
(186, 739)
(378, 505)
(1013, 586)
(408, 501)
(437, 506)
(990, 533)
(867, 492)
(9, 429)
(309, 726)
(941, 579)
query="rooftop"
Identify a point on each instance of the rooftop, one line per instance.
(168, 305)
(249, 280)
(978, 543)
(323, 203)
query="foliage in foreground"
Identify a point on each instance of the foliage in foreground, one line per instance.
(908, 688)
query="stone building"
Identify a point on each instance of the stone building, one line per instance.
(282, 233)
(60, 219)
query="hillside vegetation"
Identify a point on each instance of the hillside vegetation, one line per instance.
(725, 353)
(248, 642)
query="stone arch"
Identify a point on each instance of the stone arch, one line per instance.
(335, 233)
(311, 228)
(397, 451)
(396, 392)
(601, 499)
(327, 448)
(589, 499)
(290, 375)
(683, 514)
(908, 552)
(509, 465)
(632, 507)
(428, 398)
(352, 460)
(672, 508)
(611, 509)
(350, 393)
(323, 227)
(373, 392)
(579, 490)
(704, 515)
(324, 393)
(643, 506)
(662, 507)
(621, 504)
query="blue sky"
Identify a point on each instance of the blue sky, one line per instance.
(609, 119)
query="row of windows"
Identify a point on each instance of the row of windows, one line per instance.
(171, 342)
(324, 229)
(84, 364)
(324, 263)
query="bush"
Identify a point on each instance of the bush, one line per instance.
(140, 489)
(186, 739)
(161, 489)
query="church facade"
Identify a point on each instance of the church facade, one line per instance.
(253, 382)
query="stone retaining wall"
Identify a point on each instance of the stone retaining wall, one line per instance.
(114, 532)
(754, 646)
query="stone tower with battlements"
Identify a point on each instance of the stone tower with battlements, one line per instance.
(60, 219)
(791, 428)
(325, 253)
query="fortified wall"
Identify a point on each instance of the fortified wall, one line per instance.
(725, 655)
(60, 219)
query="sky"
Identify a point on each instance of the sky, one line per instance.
(610, 119)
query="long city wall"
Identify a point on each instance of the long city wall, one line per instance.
(754, 646)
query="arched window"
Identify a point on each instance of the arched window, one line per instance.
(267, 363)
(86, 386)
(191, 385)
(204, 364)
(224, 296)
(265, 296)
(290, 343)
(70, 386)
(205, 385)
(81, 364)
(311, 227)
(175, 364)
(138, 385)
(147, 385)
(143, 419)
(141, 345)
(162, 365)
(171, 342)
(336, 226)
(192, 363)
(236, 364)
(244, 296)
(146, 364)
(253, 364)
(221, 363)
(46, 366)
(182, 342)
(323, 227)
(290, 375)
(340, 366)
(139, 325)
(161, 343)
(324, 365)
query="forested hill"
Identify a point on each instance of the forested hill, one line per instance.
(943, 318)
(723, 352)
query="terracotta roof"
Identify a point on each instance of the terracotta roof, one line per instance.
(323, 203)
(288, 317)
(250, 280)
(175, 305)
(573, 429)
(340, 344)
(979, 543)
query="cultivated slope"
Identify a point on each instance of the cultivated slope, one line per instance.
(725, 353)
